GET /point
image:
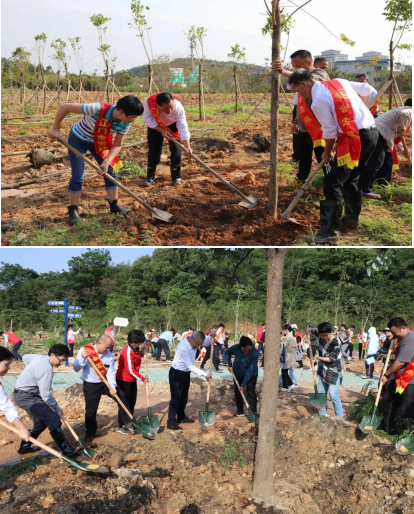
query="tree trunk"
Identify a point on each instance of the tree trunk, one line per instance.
(106, 82)
(235, 84)
(391, 75)
(201, 93)
(274, 116)
(264, 459)
(149, 79)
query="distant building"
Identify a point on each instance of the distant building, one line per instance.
(375, 65)
(332, 56)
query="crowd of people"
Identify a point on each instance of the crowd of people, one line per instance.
(328, 347)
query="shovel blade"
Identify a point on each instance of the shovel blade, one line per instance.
(145, 429)
(248, 204)
(150, 424)
(318, 400)
(370, 423)
(206, 419)
(85, 466)
(405, 446)
(161, 215)
(252, 417)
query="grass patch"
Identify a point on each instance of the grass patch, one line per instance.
(380, 229)
(27, 465)
(234, 452)
(131, 170)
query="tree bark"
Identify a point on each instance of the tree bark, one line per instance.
(391, 74)
(235, 84)
(274, 114)
(264, 459)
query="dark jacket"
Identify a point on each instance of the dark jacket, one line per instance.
(244, 365)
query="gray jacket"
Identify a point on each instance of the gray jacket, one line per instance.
(289, 342)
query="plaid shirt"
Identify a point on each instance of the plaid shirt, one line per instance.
(329, 372)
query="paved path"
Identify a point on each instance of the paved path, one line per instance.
(160, 374)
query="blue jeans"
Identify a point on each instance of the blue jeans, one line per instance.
(323, 387)
(292, 377)
(78, 165)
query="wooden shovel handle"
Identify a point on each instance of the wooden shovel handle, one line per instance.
(35, 441)
(118, 399)
(385, 368)
(311, 363)
(205, 166)
(238, 386)
(146, 378)
(70, 427)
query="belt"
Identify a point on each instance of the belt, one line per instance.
(26, 392)
(370, 128)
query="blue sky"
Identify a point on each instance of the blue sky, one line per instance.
(227, 22)
(55, 259)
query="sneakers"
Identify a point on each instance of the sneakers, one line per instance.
(173, 425)
(295, 386)
(124, 431)
(364, 376)
(284, 389)
(239, 414)
(177, 181)
(150, 180)
(371, 194)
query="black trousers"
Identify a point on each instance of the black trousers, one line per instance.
(179, 387)
(305, 148)
(379, 167)
(130, 391)
(93, 393)
(71, 348)
(340, 181)
(155, 142)
(286, 380)
(296, 147)
(162, 344)
(361, 352)
(351, 349)
(14, 350)
(392, 401)
(207, 356)
(249, 392)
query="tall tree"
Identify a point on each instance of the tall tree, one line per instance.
(399, 12)
(264, 460)
(237, 55)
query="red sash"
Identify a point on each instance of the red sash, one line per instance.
(374, 108)
(310, 122)
(153, 107)
(103, 138)
(403, 380)
(395, 163)
(348, 144)
(93, 354)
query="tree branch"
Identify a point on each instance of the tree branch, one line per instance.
(249, 251)
(288, 18)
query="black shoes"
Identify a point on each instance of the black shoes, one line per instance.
(239, 414)
(74, 217)
(173, 425)
(88, 438)
(330, 215)
(185, 420)
(115, 208)
(26, 447)
(60, 439)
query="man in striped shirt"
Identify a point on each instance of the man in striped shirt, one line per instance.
(94, 133)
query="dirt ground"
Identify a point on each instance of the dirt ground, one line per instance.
(320, 464)
(205, 212)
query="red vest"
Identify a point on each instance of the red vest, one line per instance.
(129, 363)
(13, 339)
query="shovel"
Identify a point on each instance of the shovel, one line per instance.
(134, 420)
(156, 213)
(83, 466)
(205, 417)
(86, 452)
(292, 205)
(317, 399)
(247, 202)
(149, 424)
(252, 417)
(372, 422)
(405, 446)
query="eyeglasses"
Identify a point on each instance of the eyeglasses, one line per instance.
(61, 361)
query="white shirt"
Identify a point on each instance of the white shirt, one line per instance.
(187, 333)
(364, 337)
(167, 335)
(389, 122)
(6, 339)
(177, 115)
(71, 335)
(7, 407)
(372, 95)
(324, 109)
(184, 358)
(209, 339)
(88, 373)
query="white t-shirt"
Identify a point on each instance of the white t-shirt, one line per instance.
(177, 115)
